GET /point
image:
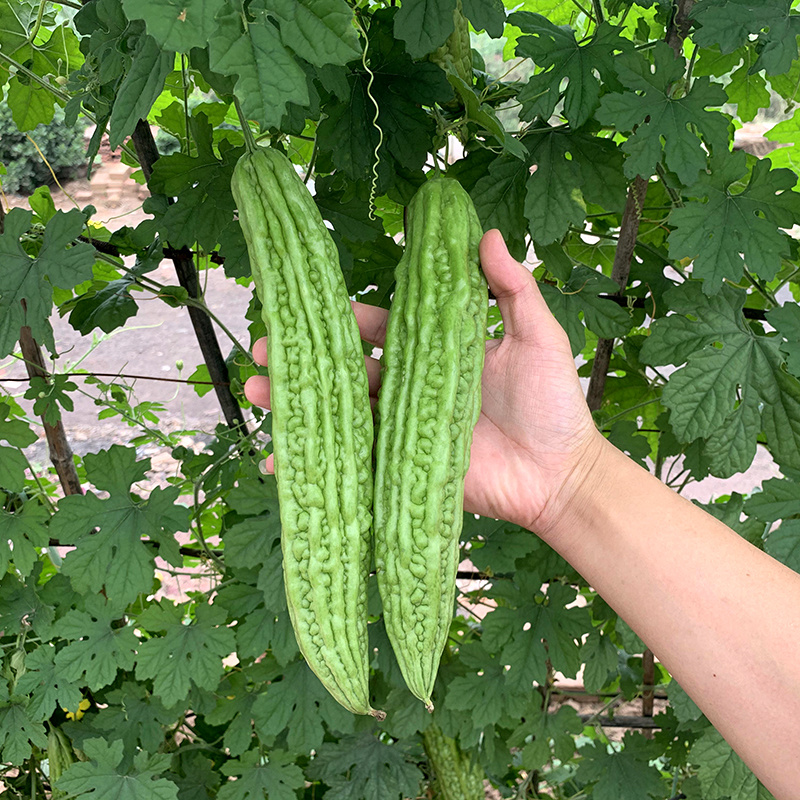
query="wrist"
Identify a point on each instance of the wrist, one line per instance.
(570, 504)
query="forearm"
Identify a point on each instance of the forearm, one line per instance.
(720, 614)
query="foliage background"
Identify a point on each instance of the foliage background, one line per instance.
(626, 109)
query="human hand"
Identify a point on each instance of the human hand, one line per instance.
(535, 438)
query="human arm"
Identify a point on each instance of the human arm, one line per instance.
(720, 614)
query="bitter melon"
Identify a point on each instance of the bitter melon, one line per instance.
(322, 426)
(428, 405)
(456, 775)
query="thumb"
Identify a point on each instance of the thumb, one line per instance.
(520, 302)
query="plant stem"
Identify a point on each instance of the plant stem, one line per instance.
(38, 24)
(760, 288)
(249, 140)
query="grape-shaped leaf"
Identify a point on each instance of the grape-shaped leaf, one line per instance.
(48, 394)
(320, 30)
(623, 774)
(365, 767)
(725, 386)
(424, 25)
(17, 729)
(98, 645)
(555, 49)
(277, 777)
(139, 89)
(107, 532)
(26, 285)
(656, 115)
(267, 74)
(176, 24)
(559, 729)
(25, 529)
(47, 685)
(726, 230)
(723, 774)
(731, 23)
(102, 776)
(185, 655)
(300, 702)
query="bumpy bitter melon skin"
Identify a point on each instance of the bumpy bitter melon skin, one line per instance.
(428, 405)
(322, 427)
(456, 776)
(456, 53)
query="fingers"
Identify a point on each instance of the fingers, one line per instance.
(371, 322)
(256, 388)
(260, 351)
(521, 303)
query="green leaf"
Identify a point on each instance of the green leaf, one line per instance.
(107, 533)
(13, 27)
(100, 776)
(723, 775)
(625, 436)
(202, 183)
(320, 30)
(580, 295)
(600, 659)
(779, 498)
(730, 24)
(276, 777)
(98, 645)
(17, 729)
(48, 394)
(786, 320)
(485, 692)
(424, 25)
(136, 716)
(176, 24)
(48, 688)
(726, 231)
(59, 263)
(488, 15)
(25, 529)
(108, 308)
(784, 544)
(623, 775)
(499, 198)
(686, 710)
(748, 90)
(721, 385)
(300, 702)
(139, 89)
(533, 632)
(30, 104)
(496, 545)
(553, 199)
(185, 655)
(364, 767)
(14, 431)
(556, 51)
(658, 116)
(267, 74)
(540, 729)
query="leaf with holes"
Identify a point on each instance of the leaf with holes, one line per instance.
(101, 775)
(98, 647)
(655, 116)
(725, 229)
(185, 655)
(555, 49)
